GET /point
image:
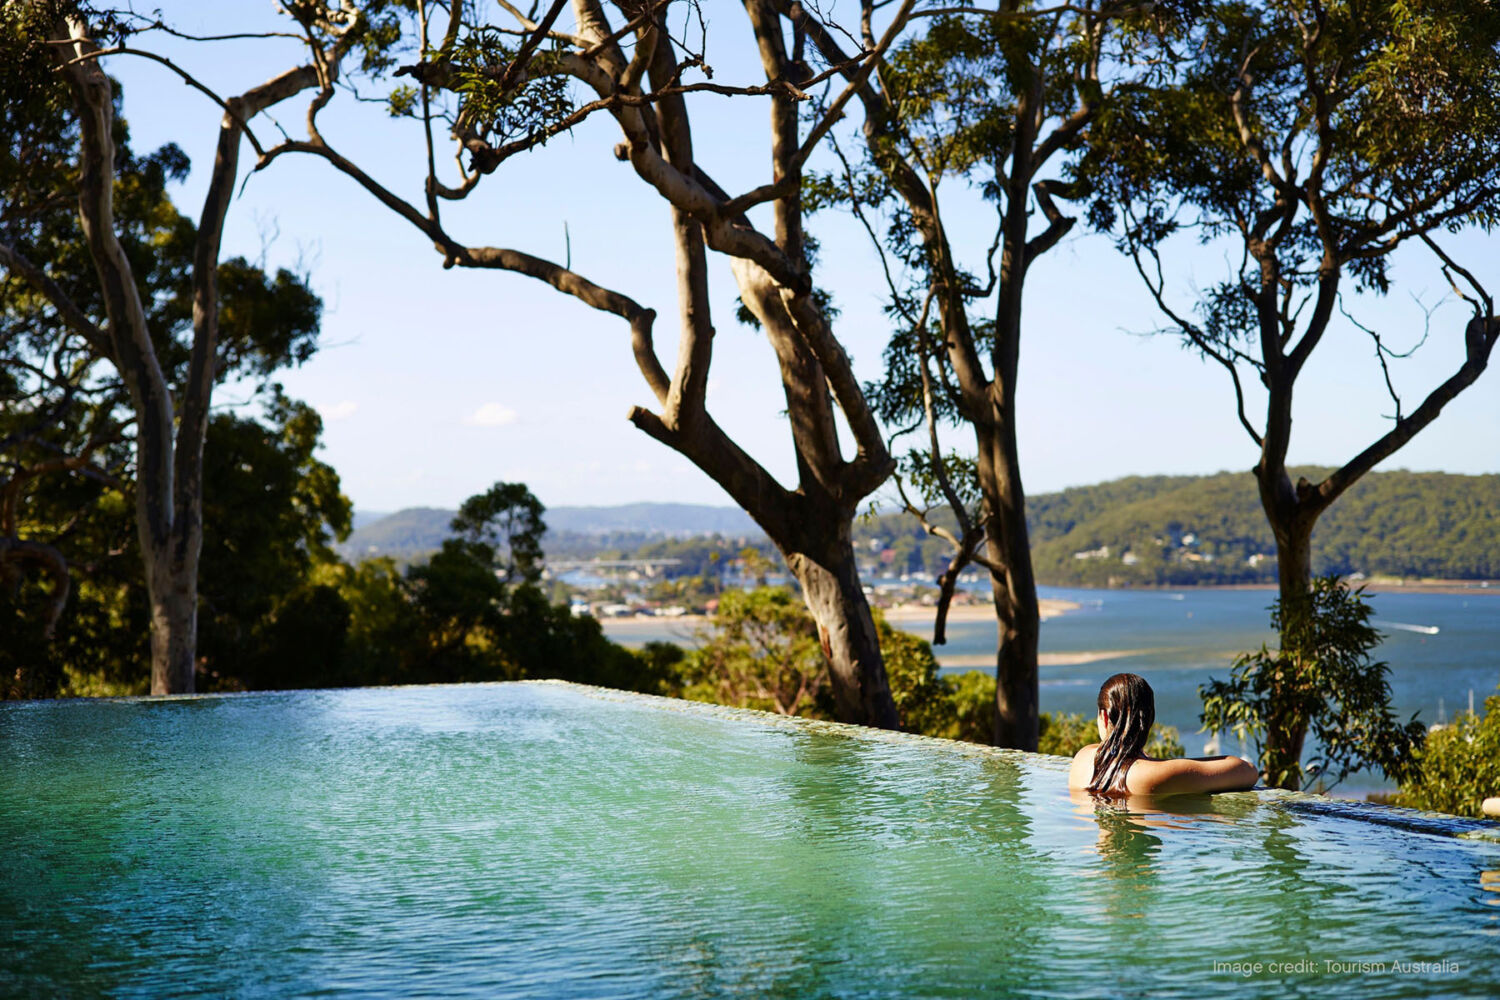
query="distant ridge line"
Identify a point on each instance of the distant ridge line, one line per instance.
(418, 530)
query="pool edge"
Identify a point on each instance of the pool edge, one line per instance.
(1400, 817)
(1411, 820)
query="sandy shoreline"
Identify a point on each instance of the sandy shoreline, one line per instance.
(907, 614)
(1042, 659)
(914, 618)
(1460, 587)
(904, 615)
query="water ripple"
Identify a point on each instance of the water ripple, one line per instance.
(534, 841)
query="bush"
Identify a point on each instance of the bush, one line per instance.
(1066, 733)
(1323, 684)
(1459, 766)
(924, 701)
(973, 707)
(763, 653)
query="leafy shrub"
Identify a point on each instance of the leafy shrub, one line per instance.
(973, 707)
(1322, 683)
(1459, 766)
(924, 701)
(763, 653)
(1066, 733)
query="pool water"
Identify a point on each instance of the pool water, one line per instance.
(540, 839)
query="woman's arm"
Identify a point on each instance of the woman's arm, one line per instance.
(1194, 774)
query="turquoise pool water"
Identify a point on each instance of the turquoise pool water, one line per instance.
(529, 840)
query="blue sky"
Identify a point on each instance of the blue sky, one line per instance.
(435, 384)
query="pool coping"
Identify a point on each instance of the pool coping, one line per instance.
(1400, 817)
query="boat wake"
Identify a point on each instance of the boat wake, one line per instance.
(1403, 626)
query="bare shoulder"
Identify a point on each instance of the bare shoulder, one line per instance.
(1190, 774)
(1082, 770)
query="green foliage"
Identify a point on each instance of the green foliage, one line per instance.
(1391, 107)
(1165, 741)
(401, 102)
(923, 700)
(763, 652)
(973, 707)
(522, 110)
(504, 527)
(1459, 765)
(1322, 683)
(1066, 733)
(1404, 524)
(271, 511)
(474, 612)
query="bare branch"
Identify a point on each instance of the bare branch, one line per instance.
(1480, 335)
(52, 562)
(72, 316)
(187, 78)
(1196, 335)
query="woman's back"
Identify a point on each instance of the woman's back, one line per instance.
(1149, 776)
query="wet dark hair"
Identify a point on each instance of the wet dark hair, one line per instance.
(1129, 709)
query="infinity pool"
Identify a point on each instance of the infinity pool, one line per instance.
(538, 839)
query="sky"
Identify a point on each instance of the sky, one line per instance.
(435, 384)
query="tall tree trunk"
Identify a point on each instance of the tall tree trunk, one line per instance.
(1286, 728)
(169, 441)
(133, 353)
(1013, 586)
(173, 593)
(833, 593)
(1291, 520)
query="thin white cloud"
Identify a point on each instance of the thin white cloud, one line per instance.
(342, 410)
(491, 415)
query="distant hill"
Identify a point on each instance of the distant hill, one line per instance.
(360, 518)
(1211, 529)
(1182, 530)
(672, 520)
(417, 531)
(406, 534)
(1142, 530)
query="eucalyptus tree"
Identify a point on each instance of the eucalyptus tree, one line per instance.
(116, 319)
(1314, 140)
(996, 99)
(502, 83)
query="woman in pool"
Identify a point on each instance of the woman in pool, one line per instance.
(1118, 765)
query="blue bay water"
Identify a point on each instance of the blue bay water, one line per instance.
(1180, 639)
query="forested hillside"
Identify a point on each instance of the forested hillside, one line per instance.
(1168, 530)
(1179, 530)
